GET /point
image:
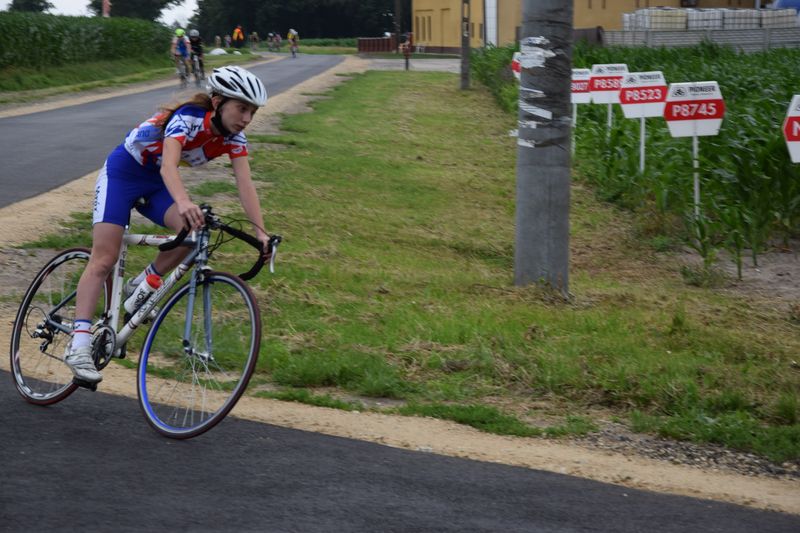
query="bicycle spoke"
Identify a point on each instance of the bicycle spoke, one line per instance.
(208, 375)
(42, 327)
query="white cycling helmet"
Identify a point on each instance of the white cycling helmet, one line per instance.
(194, 33)
(236, 82)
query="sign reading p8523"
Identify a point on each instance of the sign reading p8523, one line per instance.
(643, 94)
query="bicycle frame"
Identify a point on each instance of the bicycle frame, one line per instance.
(196, 257)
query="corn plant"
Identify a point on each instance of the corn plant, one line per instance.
(751, 189)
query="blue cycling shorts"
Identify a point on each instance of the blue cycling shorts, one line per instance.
(121, 183)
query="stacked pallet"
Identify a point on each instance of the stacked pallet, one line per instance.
(704, 19)
(672, 19)
(778, 18)
(741, 19)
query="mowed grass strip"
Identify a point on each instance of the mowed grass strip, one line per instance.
(395, 198)
(396, 201)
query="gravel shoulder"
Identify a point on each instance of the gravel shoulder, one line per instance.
(612, 455)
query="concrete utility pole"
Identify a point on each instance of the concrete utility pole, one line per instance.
(465, 44)
(543, 148)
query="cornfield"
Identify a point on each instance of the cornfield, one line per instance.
(750, 189)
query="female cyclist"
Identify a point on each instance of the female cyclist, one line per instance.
(145, 166)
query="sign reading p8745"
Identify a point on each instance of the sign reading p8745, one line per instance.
(791, 129)
(694, 109)
(606, 82)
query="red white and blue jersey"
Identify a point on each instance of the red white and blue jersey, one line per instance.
(191, 126)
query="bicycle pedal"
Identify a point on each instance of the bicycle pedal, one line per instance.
(91, 385)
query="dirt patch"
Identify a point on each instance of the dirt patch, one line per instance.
(613, 455)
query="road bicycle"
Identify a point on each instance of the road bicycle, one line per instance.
(201, 348)
(197, 70)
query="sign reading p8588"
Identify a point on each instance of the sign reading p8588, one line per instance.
(606, 81)
(694, 109)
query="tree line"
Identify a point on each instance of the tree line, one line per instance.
(311, 18)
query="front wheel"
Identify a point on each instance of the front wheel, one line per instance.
(43, 326)
(199, 355)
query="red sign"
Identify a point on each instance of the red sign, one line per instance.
(791, 129)
(516, 68)
(642, 95)
(694, 110)
(580, 86)
(606, 83)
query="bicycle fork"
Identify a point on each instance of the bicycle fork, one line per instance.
(189, 349)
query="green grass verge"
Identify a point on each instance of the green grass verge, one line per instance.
(304, 396)
(396, 202)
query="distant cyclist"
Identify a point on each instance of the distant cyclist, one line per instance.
(294, 40)
(196, 43)
(146, 165)
(180, 49)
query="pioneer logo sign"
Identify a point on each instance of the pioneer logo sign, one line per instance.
(694, 109)
(580, 86)
(606, 81)
(643, 94)
(791, 129)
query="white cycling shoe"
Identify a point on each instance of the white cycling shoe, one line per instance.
(81, 363)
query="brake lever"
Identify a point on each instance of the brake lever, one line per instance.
(274, 241)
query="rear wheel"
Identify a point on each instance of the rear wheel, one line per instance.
(43, 326)
(188, 383)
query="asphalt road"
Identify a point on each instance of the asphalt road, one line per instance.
(41, 151)
(92, 463)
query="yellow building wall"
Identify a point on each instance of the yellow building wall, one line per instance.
(436, 23)
(509, 21)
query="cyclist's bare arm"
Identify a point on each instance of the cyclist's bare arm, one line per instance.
(249, 197)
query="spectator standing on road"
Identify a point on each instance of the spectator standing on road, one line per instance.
(227, 41)
(253, 41)
(238, 37)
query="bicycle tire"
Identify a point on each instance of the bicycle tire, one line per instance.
(183, 75)
(41, 376)
(186, 389)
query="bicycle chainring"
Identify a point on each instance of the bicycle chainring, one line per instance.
(104, 344)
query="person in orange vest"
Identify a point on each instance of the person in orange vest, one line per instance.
(238, 37)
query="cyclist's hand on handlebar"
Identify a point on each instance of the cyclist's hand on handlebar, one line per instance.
(266, 249)
(191, 214)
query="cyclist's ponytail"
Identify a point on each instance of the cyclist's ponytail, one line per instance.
(200, 100)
